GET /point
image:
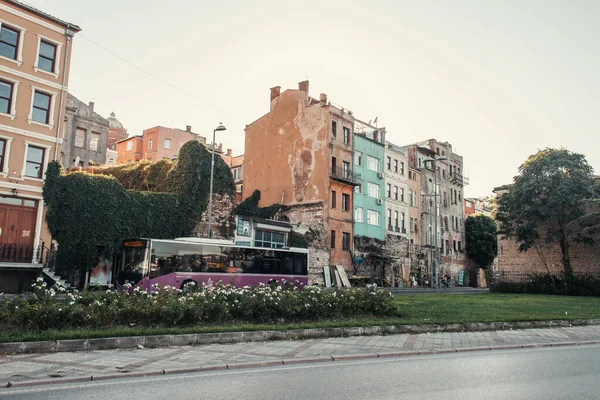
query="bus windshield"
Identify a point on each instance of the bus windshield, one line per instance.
(132, 266)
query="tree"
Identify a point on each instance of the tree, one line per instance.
(548, 194)
(481, 239)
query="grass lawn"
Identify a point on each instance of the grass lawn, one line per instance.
(412, 309)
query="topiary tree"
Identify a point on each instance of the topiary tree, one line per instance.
(481, 239)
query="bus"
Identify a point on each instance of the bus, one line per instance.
(145, 262)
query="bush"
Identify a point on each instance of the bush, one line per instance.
(585, 285)
(57, 308)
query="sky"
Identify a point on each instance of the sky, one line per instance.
(498, 80)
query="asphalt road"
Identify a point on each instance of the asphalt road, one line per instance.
(544, 373)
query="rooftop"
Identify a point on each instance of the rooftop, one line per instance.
(42, 14)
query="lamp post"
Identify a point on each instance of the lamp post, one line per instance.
(435, 278)
(212, 172)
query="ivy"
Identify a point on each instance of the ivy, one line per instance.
(101, 208)
(250, 208)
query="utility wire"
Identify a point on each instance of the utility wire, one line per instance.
(149, 73)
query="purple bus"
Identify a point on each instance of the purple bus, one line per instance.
(145, 262)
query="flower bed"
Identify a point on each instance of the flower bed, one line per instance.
(58, 308)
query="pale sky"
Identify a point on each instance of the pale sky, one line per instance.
(497, 79)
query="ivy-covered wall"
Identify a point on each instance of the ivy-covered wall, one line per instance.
(101, 208)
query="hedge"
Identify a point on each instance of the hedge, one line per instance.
(88, 212)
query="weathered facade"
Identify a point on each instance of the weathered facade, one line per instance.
(300, 153)
(85, 140)
(236, 165)
(396, 197)
(449, 210)
(35, 56)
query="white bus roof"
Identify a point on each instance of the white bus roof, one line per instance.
(204, 240)
(222, 242)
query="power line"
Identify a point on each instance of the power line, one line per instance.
(149, 73)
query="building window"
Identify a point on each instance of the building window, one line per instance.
(402, 168)
(6, 91)
(9, 42)
(454, 241)
(373, 190)
(389, 163)
(373, 218)
(346, 169)
(346, 135)
(47, 56)
(358, 189)
(130, 145)
(2, 151)
(401, 194)
(410, 197)
(41, 107)
(149, 144)
(389, 219)
(373, 164)
(79, 137)
(447, 247)
(389, 190)
(167, 144)
(334, 129)
(345, 202)
(333, 198)
(35, 161)
(94, 141)
(358, 214)
(414, 198)
(396, 219)
(358, 158)
(244, 227)
(403, 223)
(273, 240)
(332, 240)
(460, 246)
(395, 165)
(396, 192)
(345, 241)
(333, 165)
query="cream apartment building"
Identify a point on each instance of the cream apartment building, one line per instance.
(35, 52)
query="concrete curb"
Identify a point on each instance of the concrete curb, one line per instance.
(131, 342)
(262, 364)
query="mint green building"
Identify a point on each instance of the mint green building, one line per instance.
(369, 197)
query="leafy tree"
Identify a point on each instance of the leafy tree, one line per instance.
(481, 239)
(548, 194)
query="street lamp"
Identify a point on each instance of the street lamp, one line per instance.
(212, 172)
(435, 277)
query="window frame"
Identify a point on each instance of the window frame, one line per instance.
(95, 136)
(358, 158)
(12, 100)
(333, 199)
(82, 140)
(345, 202)
(56, 65)
(358, 211)
(346, 133)
(332, 239)
(149, 144)
(374, 185)
(42, 168)
(373, 161)
(51, 107)
(345, 241)
(165, 141)
(3, 153)
(20, 39)
(334, 129)
(129, 146)
(377, 216)
(395, 165)
(395, 192)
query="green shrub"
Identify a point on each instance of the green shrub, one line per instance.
(585, 285)
(55, 308)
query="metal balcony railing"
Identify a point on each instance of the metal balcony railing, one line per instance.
(345, 175)
(18, 253)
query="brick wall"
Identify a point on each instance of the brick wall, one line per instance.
(222, 220)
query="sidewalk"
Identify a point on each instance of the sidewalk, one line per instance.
(32, 369)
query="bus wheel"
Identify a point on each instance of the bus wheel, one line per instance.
(188, 281)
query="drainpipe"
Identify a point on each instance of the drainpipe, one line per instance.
(68, 35)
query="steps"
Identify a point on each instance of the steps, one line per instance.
(56, 278)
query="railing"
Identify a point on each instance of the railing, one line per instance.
(18, 253)
(344, 175)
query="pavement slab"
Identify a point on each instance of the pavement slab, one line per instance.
(44, 368)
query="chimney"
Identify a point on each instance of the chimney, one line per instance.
(91, 104)
(303, 86)
(188, 128)
(275, 92)
(323, 98)
(229, 152)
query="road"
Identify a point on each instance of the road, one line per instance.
(543, 373)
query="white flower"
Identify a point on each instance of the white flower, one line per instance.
(39, 279)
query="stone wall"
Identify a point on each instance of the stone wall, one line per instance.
(223, 222)
(309, 220)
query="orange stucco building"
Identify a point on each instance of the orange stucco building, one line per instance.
(300, 152)
(155, 144)
(35, 50)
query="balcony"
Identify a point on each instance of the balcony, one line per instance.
(345, 176)
(16, 253)
(459, 179)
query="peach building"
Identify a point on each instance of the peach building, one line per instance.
(35, 51)
(155, 144)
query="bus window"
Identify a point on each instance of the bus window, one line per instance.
(133, 263)
(300, 267)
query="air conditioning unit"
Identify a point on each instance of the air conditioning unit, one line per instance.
(379, 202)
(380, 175)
